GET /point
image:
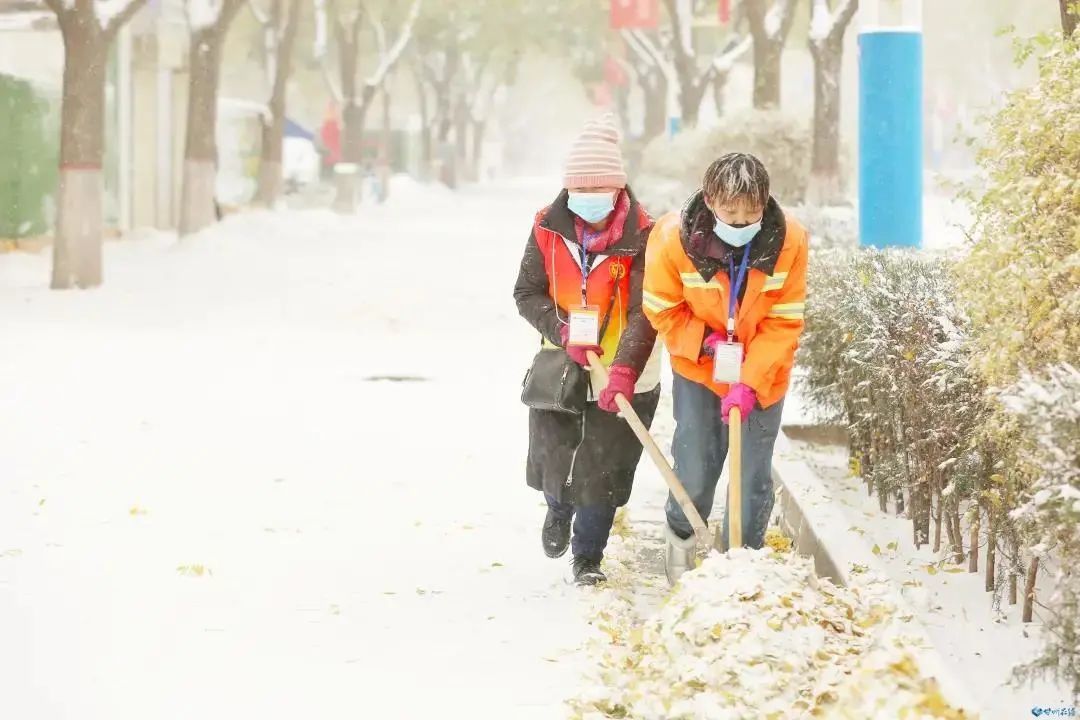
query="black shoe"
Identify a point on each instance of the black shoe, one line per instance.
(587, 571)
(555, 535)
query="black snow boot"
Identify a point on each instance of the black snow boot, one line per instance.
(555, 535)
(587, 571)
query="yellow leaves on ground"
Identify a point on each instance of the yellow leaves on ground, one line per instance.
(194, 570)
(776, 540)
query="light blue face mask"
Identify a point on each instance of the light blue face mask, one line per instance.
(736, 236)
(591, 207)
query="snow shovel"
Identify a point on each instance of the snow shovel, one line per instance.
(734, 500)
(701, 530)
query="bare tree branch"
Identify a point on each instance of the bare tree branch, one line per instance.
(391, 58)
(639, 50)
(377, 28)
(650, 47)
(121, 18)
(843, 17)
(332, 84)
(821, 21)
(723, 62)
(260, 17)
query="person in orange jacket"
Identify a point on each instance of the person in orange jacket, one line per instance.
(725, 288)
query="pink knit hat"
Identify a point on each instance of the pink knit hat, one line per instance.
(595, 159)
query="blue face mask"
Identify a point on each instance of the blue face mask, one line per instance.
(736, 236)
(591, 207)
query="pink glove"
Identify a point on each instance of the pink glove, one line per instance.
(740, 396)
(708, 348)
(621, 381)
(577, 352)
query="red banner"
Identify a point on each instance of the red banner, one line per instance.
(725, 12)
(634, 14)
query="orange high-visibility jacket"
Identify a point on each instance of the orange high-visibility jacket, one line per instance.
(686, 295)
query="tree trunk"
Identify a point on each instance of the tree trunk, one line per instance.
(973, 542)
(426, 156)
(826, 186)
(938, 517)
(719, 85)
(476, 146)
(270, 179)
(352, 154)
(991, 553)
(766, 74)
(955, 524)
(77, 247)
(1068, 17)
(1029, 589)
(385, 156)
(768, 48)
(1013, 591)
(197, 207)
(690, 96)
(920, 512)
(654, 90)
(950, 529)
(270, 170)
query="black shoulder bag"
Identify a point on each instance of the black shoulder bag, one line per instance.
(555, 382)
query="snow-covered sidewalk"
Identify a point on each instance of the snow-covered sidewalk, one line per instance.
(276, 470)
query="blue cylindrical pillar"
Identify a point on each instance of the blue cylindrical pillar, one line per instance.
(890, 136)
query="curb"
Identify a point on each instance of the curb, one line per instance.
(818, 530)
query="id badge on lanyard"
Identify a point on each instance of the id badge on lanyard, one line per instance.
(584, 318)
(728, 357)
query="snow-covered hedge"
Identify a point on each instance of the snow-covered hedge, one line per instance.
(956, 378)
(1048, 410)
(1021, 286)
(885, 355)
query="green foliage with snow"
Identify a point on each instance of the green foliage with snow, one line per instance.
(885, 355)
(957, 377)
(1021, 286)
(27, 160)
(1048, 411)
(1021, 280)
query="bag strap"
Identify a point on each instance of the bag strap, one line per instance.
(607, 321)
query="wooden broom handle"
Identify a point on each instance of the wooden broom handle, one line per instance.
(701, 530)
(735, 478)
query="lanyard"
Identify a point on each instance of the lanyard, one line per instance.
(736, 285)
(584, 272)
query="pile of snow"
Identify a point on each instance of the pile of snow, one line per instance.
(406, 190)
(756, 634)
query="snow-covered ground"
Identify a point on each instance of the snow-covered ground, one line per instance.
(276, 471)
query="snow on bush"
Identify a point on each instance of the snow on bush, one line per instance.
(1021, 281)
(1021, 286)
(756, 634)
(672, 168)
(1048, 410)
(885, 354)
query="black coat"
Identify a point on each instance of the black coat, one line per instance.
(588, 459)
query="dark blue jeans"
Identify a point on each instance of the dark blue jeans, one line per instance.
(592, 525)
(700, 447)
